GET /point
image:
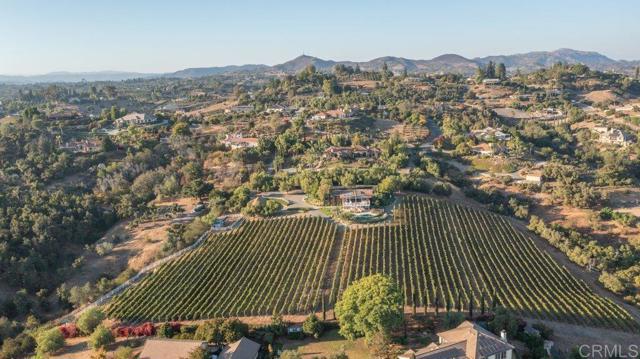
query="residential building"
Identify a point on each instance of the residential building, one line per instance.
(489, 133)
(534, 177)
(357, 200)
(467, 341)
(242, 349)
(161, 348)
(611, 136)
(237, 140)
(333, 114)
(488, 149)
(81, 146)
(352, 152)
(134, 119)
(490, 82)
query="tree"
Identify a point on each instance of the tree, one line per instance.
(210, 332)
(49, 341)
(504, 320)
(233, 330)
(637, 72)
(312, 326)
(101, 337)
(501, 71)
(89, 320)
(107, 144)
(181, 128)
(329, 87)
(369, 306)
(490, 71)
(17, 347)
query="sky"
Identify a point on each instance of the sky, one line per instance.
(41, 36)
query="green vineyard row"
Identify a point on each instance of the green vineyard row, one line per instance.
(437, 251)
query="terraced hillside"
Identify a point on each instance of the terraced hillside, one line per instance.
(438, 252)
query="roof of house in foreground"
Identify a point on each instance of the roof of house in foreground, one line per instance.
(468, 340)
(242, 349)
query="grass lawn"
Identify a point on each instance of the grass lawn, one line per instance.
(329, 343)
(496, 165)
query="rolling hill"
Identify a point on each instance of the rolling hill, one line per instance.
(452, 63)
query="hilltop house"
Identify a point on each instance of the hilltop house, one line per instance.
(134, 119)
(357, 200)
(351, 152)
(489, 82)
(333, 114)
(488, 149)
(81, 146)
(611, 136)
(534, 177)
(489, 133)
(469, 341)
(238, 141)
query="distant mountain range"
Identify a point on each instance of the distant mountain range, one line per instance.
(526, 62)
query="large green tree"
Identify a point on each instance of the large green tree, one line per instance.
(369, 306)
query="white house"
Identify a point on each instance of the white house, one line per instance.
(358, 200)
(488, 133)
(490, 81)
(81, 146)
(236, 140)
(134, 118)
(611, 136)
(469, 341)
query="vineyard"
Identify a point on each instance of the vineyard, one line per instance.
(456, 256)
(260, 268)
(438, 252)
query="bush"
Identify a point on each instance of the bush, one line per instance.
(312, 326)
(49, 341)
(89, 320)
(101, 337)
(124, 352)
(18, 347)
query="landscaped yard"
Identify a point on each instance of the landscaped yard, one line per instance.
(331, 342)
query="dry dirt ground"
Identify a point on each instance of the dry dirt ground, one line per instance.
(601, 96)
(212, 108)
(77, 348)
(138, 246)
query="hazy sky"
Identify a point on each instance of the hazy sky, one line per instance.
(160, 36)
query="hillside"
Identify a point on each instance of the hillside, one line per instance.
(447, 63)
(437, 251)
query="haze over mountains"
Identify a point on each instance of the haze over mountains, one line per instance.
(525, 62)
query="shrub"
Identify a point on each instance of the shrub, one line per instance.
(49, 341)
(89, 320)
(101, 337)
(312, 326)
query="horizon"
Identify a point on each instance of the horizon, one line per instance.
(106, 71)
(159, 37)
